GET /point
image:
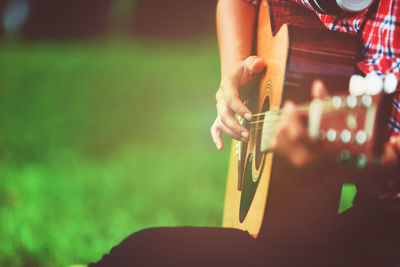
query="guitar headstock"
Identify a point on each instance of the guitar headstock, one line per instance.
(345, 124)
(354, 125)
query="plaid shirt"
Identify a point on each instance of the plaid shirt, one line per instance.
(381, 54)
(381, 41)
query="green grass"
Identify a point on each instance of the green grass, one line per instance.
(101, 139)
(349, 191)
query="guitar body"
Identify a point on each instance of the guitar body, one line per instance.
(259, 187)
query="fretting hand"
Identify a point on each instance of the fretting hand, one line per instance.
(291, 138)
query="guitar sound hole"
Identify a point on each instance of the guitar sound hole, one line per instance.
(258, 155)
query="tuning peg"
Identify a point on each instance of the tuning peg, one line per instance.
(361, 137)
(336, 102)
(351, 101)
(390, 83)
(331, 135)
(374, 84)
(345, 136)
(366, 100)
(357, 85)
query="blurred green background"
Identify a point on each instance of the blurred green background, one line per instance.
(100, 140)
(102, 136)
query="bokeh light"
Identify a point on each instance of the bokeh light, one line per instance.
(15, 15)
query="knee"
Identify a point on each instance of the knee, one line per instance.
(132, 251)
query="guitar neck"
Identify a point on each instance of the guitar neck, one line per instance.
(340, 123)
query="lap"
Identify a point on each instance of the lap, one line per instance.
(183, 246)
(358, 239)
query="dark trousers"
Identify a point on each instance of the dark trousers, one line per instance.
(359, 237)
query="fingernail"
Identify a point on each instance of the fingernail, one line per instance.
(247, 116)
(219, 146)
(245, 134)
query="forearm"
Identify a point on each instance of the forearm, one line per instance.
(235, 28)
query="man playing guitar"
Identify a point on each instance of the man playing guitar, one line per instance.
(380, 54)
(366, 235)
(239, 68)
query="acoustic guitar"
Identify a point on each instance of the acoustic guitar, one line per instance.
(297, 49)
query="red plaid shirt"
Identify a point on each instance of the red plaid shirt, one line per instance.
(381, 54)
(381, 40)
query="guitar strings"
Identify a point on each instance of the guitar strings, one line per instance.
(276, 115)
(279, 116)
(302, 107)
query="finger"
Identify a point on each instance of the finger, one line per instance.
(257, 66)
(279, 137)
(319, 89)
(289, 109)
(229, 132)
(249, 67)
(226, 95)
(216, 135)
(240, 108)
(299, 156)
(291, 132)
(297, 153)
(273, 141)
(296, 130)
(280, 142)
(227, 118)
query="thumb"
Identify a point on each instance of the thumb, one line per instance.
(252, 65)
(318, 89)
(257, 66)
